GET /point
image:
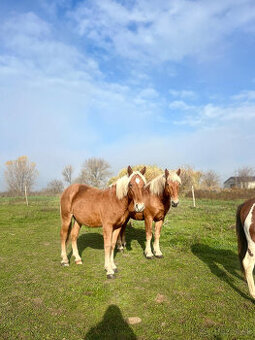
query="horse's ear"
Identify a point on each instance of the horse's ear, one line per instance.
(143, 170)
(178, 172)
(129, 170)
(166, 173)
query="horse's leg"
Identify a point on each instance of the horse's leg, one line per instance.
(248, 265)
(115, 235)
(74, 235)
(64, 235)
(121, 240)
(148, 229)
(157, 251)
(107, 233)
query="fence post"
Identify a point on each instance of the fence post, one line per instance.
(193, 196)
(26, 194)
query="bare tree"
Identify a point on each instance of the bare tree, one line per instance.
(210, 180)
(95, 172)
(55, 186)
(20, 173)
(68, 174)
(245, 171)
(190, 177)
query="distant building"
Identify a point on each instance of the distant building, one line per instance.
(240, 182)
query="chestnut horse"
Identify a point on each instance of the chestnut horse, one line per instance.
(245, 230)
(158, 195)
(95, 207)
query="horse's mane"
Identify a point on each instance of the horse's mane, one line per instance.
(157, 184)
(122, 184)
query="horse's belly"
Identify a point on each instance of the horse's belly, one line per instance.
(89, 217)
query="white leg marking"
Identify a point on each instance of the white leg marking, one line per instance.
(249, 259)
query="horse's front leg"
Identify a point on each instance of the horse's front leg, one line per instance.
(107, 233)
(115, 235)
(157, 251)
(148, 229)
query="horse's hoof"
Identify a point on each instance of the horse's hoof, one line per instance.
(159, 256)
(65, 264)
(111, 276)
(78, 262)
(115, 270)
(148, 257)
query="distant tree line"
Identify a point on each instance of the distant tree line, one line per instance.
(21, 174)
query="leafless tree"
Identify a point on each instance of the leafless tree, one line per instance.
(190, 177)
(95, 172)
(245, 171)
(20, 173)
(55, 187)
(210, 180)
(68, 174)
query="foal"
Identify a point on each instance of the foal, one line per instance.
(245, 230)
(95, 207)
(158, 195)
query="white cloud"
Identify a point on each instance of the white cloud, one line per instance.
(162, 31)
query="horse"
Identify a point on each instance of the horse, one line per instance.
(158, 195)
(245, 230)
(95, 207)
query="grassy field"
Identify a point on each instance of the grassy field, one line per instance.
(195, 292)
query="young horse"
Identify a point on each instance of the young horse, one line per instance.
(94, 207)
(245, 230)
(158, 195)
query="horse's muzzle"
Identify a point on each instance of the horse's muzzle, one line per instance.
(175, 204)
(139, 207)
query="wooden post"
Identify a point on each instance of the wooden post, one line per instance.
(193, 196)
(26, 194)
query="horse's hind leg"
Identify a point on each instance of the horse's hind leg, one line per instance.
(74, 235)
(121, 240)
(248, 265)
(157, 251)
(64, 235)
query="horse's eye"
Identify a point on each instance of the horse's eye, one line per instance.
(130, 185)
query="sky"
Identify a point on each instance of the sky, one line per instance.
(170, 83)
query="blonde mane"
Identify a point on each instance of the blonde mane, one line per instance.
(157, 185)
(122, 184)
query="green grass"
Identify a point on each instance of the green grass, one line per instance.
(195, 292)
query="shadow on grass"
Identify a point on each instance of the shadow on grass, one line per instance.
(113, 326)
(214, 258)
(96, 240)
(88, 240)
(137, 234)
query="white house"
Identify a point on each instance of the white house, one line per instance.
(240, 182)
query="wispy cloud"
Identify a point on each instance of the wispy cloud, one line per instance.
(177, 29)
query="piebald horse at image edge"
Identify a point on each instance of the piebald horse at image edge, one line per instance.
(245, 230)
(95, 207)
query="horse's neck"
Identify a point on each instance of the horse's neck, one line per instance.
(123, 202)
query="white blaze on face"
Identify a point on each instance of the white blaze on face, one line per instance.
(137, 180)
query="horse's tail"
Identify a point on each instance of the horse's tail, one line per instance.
(241, 238)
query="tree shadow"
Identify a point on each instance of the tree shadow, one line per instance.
(214, 258)
(135, 234)
(113, 327)
(92, 240)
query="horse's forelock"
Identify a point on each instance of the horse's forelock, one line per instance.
(157, 184)
(122, 184)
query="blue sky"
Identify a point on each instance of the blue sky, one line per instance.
(167, 82)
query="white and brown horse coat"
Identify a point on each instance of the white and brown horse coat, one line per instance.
(245, 229)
